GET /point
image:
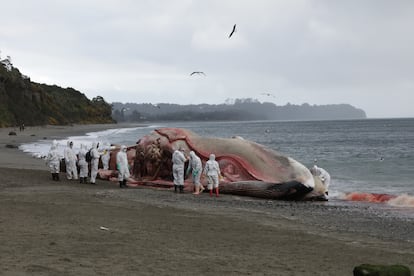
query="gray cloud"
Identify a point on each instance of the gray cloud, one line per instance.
(320, 52)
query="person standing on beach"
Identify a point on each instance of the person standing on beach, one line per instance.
(324, 176)
(94, 162)
(53, 161)
(212, 170)
(195, 167)
(70, 162)
(178, 160)
(83, 165)
(106, 156)
(122, 166)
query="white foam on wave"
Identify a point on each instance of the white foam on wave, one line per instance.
(40, 148)
(403, 200)
(110, 132)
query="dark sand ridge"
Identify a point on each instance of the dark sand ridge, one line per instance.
(50, 228)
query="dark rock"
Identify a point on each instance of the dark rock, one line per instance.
(12, 133)
(381, 270)
(11, 146)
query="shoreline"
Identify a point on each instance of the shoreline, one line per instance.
(54, 227)
(12, 157)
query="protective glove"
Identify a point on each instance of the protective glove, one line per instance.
(194, 174)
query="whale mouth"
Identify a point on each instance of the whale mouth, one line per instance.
(323, 197)
(292, 190)
(315, 195)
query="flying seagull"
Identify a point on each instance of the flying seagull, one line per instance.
(198, 73)
(268, 94)
(233, 31)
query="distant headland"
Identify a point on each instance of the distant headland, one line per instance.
(237, 110)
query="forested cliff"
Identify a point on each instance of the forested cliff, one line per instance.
(25, 102)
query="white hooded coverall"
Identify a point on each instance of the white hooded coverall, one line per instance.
(122, 164)
(178, 160)
(70, 161)
(322, 174)
(105, 157)
(195, 166)
(53, 159)
(212, 170)
(95, 162)
(83, 165)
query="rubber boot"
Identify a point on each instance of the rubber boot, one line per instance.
(181, 189)
(175, 188)
(217, 192)
(211, 192)
(53, 176)
(120, 184)
(124, 183)
(57, 176)
(80, 180)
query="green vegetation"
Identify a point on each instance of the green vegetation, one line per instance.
(25, 102)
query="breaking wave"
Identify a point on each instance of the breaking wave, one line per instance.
(402, 200)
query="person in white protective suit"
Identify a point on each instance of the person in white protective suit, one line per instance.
(122, 166)
(95, 155)
(178, 160)
(212, 170)
(53, 160)
(106, 156)
(70, 161)
(83, 165)
(195, 167)
(323, 175)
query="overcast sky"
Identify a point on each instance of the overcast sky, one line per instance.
(319, 52)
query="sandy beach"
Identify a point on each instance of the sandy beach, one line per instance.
(67, 228)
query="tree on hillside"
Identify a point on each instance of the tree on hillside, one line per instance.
(7, 63)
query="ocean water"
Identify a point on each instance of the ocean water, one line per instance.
(364, 156)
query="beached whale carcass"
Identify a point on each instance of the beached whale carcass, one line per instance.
(248, 168)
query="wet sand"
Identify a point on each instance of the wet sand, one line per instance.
(67, 228)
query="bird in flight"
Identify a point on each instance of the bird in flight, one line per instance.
(268, 94)
(233, 31)
(197, 73)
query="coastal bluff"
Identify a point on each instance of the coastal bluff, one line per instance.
(25, 102)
